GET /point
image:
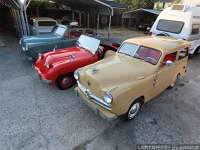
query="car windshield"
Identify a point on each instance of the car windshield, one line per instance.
(88, 43)
(146, 54)
(59, 30)
(46, 23)
(170, 26)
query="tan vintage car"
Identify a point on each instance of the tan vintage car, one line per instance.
(141, 69)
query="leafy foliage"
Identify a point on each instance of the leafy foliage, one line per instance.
(139, 3)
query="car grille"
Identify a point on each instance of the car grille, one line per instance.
(93, 97)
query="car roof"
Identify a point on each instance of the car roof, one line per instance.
(164, 44)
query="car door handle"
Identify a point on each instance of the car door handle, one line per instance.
(140, 78)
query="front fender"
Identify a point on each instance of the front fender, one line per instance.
(126, 94)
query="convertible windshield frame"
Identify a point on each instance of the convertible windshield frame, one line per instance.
(88, 43)
(139, 48)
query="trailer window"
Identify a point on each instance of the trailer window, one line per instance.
(170, 26)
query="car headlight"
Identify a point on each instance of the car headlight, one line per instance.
(40, 56)
(25, 48)
(108, 97)
(76, 75)
(48, 66)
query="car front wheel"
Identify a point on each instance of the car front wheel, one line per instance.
(133, 110)
(65, 82)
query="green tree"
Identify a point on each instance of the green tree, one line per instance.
(134, 4)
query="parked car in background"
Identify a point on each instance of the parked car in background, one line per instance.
(143, 27)
(57, 67)
(42, 25)
(182, 22)
(75, 32)
(58, 38)
(140, 70)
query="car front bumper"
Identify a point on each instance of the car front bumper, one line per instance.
(105, 114)
(41, 76)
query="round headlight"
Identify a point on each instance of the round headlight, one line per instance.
(26, 48)
(76, 75)
(108, 97)
(40, 56)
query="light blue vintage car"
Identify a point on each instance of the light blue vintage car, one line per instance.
(58, 38)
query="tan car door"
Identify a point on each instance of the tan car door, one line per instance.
(182, 61)
(165, 74)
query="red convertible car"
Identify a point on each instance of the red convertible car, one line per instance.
(57, 67)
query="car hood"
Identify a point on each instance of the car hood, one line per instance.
(116, 71)
(42, 38)
(65, 55)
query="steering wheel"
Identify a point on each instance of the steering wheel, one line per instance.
(101, 51)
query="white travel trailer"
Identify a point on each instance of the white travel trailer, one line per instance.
(181, 21)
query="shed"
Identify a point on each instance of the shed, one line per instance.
(88, 7)
(139, 17)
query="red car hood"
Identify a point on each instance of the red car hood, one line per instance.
(63, 55)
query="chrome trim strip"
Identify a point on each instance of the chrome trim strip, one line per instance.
(100, 102)
(94, 98)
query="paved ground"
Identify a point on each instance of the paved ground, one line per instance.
(34, 116)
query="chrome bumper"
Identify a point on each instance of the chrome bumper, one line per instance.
(93, 97)
(98, 110)
(41, 77)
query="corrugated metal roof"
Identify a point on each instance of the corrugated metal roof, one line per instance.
(157, 12)
(115, 4)
(153, 11)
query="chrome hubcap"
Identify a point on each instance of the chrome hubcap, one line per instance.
(65, 81)
(134, 110)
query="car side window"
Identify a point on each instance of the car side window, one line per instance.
(183, 53)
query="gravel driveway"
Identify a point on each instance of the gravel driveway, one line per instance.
(35, 116)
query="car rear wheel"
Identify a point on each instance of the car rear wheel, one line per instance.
(133, 110)
(65, 82)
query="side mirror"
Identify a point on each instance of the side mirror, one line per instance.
(168, 63)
